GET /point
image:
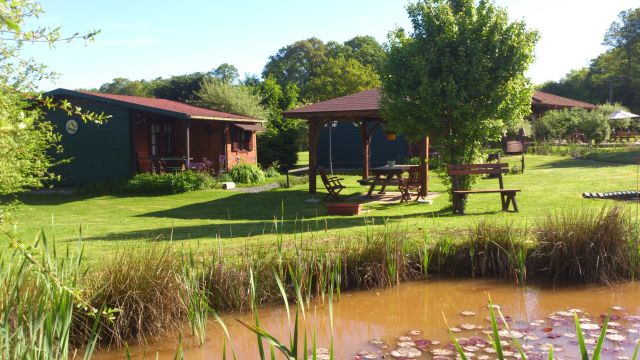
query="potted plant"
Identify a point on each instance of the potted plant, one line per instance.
(391, 136)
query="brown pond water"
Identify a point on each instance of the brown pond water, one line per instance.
(389, 313)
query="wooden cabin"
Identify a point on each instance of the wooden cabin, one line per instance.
(147, 135)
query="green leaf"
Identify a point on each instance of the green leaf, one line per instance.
(603, 333)
(583, 346)
(496, 335)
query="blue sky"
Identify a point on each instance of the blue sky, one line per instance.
(143, 39)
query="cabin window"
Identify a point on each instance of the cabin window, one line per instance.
(161, 139)
(241, 140)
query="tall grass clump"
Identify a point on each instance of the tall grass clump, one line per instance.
(39, 301)
(148, 286)
(497, 249)
(587, 245)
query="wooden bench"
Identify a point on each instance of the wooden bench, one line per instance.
(296, 171)
(507, 196)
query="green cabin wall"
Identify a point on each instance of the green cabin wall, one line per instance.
(98, 152)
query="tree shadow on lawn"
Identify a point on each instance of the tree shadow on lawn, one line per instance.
(250, 214)
(35, 199)
(577, 163)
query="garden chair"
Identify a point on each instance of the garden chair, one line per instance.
(331, 183)
(410, 185)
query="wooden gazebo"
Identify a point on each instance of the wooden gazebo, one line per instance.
(361, 108)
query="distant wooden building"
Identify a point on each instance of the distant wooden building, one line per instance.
(147, 134)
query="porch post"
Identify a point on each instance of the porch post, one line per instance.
(315, 126)
(188, 144)
(366, 140)
(424, 167)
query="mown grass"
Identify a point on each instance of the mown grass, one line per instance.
(202, 219)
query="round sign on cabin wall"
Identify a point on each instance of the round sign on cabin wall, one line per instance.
(71, 126)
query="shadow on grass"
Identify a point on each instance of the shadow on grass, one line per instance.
(587, 162)
(250, 214)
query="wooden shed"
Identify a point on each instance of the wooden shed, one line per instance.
(148, 135)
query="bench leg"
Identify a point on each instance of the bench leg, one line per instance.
(515, 204)
(504, 200)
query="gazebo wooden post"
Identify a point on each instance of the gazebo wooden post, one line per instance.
(424, 167)
(366, 140)
(315, 126)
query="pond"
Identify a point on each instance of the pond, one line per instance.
(538, 315)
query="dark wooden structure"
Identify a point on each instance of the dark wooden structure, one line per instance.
(507, 196)
(361, 109)
(331, 183)
(148, 135)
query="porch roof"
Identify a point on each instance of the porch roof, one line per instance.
(159, 106)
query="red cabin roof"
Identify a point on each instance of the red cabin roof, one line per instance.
(170, 107)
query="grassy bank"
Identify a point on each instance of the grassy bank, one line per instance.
(202, 219)
(159, 288)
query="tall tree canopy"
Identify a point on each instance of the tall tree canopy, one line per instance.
(615, 74)
(306, 63)
(459, 75)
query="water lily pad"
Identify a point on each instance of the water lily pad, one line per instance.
(455, 329)
(612, 331)
(376, 342)
(574, 310)
(490, 350)
(632, 318)
(470, 348)
(569, 335)
(406, 344)
(409, 353)
(435, 342)
(616, 337)
(531, 337)
(441, 352)
(552, 335)
(421, 343)
(468, 313)
(440, 358)
(590, 326)
(414, 332)
(404, 338)
(364, 354)
(468, 326)
(617, 308)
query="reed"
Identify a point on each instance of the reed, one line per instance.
(585, 245)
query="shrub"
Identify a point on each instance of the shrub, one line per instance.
(559, 124)
(153, 184)
(247, 174)
(272, 171)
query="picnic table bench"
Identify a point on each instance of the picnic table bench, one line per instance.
(384, 176)
(624, 135)
(507, 196)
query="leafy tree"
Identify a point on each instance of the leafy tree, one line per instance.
(179, 88)
(307, 63)
(227, 73)
(367, 51)
(617, 70)
(279, 143)
(459, 76)
(339, 77)
(235, 99)
(124, 86)
(560, 124)
(27, 140)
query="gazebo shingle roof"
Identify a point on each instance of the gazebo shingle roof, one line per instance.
(368, 102)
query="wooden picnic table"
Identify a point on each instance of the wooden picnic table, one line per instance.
(384, 176)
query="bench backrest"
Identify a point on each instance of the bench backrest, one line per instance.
(471, 169)
(479, 169)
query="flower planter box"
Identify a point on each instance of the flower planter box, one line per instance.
(346, 209)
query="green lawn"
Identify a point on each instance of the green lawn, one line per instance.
(111, 224)
(303, 158)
